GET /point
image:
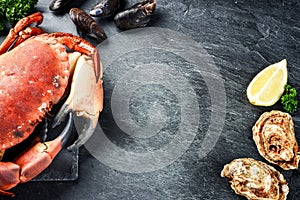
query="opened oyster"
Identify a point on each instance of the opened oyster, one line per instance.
(255, 180)
(274, 136)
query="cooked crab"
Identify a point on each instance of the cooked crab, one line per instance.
(275, 139)
(255, 180)
(34, 75)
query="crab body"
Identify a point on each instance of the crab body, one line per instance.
(34, 76)
(30, 83)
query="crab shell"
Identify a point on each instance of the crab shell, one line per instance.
(274, 136)
(33, 77)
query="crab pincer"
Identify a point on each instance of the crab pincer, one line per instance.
(85, 104)
(86, 24)
(136, 16)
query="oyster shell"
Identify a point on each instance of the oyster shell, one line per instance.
(274, 136)
(255, 180)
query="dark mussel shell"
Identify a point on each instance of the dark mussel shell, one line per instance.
(86, 24)
(136, 16)
(58, 4)
(105, 8)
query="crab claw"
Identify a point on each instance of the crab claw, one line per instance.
(85, 100)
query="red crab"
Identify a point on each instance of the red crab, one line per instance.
(34, 75)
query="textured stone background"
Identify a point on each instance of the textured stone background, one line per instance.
(242, 37)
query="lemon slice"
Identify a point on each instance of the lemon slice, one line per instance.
(267, 86)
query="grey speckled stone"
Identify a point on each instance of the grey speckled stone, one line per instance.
(242, 37)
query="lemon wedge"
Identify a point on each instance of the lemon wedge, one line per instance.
(267, 86)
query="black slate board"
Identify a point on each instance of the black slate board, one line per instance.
(241, 37)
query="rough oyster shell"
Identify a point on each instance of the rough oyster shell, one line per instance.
(255, 180)
(274, 136)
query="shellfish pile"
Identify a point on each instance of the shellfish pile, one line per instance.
(274, 136)
(135, 16)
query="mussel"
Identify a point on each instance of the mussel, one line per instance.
(58, 4)
(136, 16)
(105, 8)
(86, 24)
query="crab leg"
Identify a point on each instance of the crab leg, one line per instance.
(21, 25)
(78, 44)
(32, 162)
(24, 35)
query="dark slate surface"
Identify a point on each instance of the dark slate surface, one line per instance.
(241, 37)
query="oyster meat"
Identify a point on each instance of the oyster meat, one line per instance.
(255, 180)
(274, 136)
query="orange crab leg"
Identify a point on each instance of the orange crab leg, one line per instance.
(37, 158)
(32, 162)
(9, 177)
(25, 34)
(76, 43)
(21, 25)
